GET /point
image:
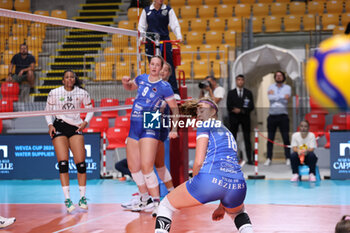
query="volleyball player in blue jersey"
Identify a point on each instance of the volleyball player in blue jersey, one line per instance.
(142, 142)
(217, 174)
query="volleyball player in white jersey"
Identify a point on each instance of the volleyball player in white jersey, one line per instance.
(66, 132)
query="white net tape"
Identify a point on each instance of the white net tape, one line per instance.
(7, 115)
(101, 65)
(64, 22)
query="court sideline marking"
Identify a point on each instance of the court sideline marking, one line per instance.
(91, 220)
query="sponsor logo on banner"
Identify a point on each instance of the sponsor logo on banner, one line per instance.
(5, 164)
(36, 153)
(343, 147)
(340, 155)
(4, 150)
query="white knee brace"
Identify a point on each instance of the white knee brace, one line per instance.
(164, 174)
(138, 178)
(151, 180)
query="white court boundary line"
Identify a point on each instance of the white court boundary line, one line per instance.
(65, 22)
(89, 221)
(58, 112)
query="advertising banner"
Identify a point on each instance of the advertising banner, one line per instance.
(32, 156)
(340, 155)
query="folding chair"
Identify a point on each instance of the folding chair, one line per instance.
(98, 124)
(116, 139)
(109, 102)
(10, 91)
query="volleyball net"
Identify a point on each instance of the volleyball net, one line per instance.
(100, 55)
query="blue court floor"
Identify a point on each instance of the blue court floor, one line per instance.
(325, 192)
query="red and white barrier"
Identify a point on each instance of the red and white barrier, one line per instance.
(256, 144)
(104, 169)
(256, 157)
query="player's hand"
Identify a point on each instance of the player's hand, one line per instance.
(125, 79)
(173, 134)
(218, 214)
(301, 151)
(236, 110)
(20, 73)
(271, 92)
(286, 97)
(52, 130)
(81, 126)
(9, 78)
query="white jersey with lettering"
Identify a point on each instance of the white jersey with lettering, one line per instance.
(61, 99)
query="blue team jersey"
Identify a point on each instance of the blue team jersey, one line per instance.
(221, 158)
(150, 95)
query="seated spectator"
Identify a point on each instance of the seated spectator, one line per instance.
(343, 226)
(24, 63)
(303, 146)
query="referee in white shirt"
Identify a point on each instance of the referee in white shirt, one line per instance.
(279, 94)
(156, 19)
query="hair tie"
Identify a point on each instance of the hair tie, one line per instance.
(210, 103)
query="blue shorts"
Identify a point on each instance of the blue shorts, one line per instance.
(206, 187)
(137, 131)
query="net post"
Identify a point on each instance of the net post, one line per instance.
(179, 157)
(256, 176)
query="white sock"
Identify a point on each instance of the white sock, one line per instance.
(171, 189)
(66, 192)
(144, 196)
(82, 190)
(247, 228)
(156, 199)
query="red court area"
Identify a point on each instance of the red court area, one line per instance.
(40, 218)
